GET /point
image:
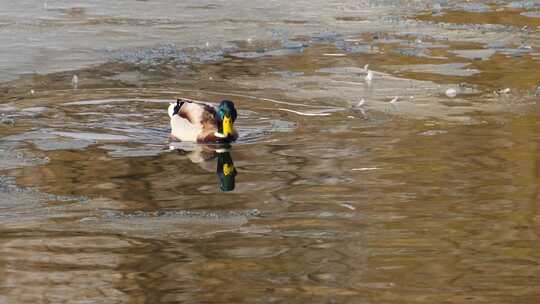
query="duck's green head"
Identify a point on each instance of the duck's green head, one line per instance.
(225, 118)
(226, 172)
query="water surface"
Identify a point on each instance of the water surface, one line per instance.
(433, 199)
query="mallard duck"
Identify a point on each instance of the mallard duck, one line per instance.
(201, 122)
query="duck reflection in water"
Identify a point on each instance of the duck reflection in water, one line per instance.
(205, 154)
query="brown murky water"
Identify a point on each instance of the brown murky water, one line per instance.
(433, 199)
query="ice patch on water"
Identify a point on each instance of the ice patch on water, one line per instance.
(92, 136)
(32, 135)
(353, 71)
(48, 140)
(475, 54)
(266, 53)
(171, 53)
(528, 4)
(255, 252)
(436, 9)
(432, 132)
(450, 69)
(114, 100)
(216, 215)
(355, 47)
(254, 131)
(11, 157)
(7, 119)
(365, 169)
(497, 45)
(531, 14)
(20, 202)
(248, 55)
(415, 52)
(304, 113)
(123, 151)
(516, 52)
(325, 37)
(177, 222)
(61, 144)
(36, 109)
(473, 7)
(94, 102)
(293, 45)
(288, 74)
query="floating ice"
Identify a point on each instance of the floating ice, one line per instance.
(451, 69)
(352, 71)
(325, 37)
(348, 206)
(502, 91)
(334, 55)
(496, 45)
(531, 14)
(304, 113)
(122, 151)
(7, 120)
(474, 7)
(369, 76)
(93, 102)
(75, 82)
(528, 4)
(59, 144)
(266, 53)
(365, 169)
(432, 132)
(482, 54)
(248, 55)
(169, 52)
(288, 74)
(416, 52)
(451, 92)
(91, 136)
(35, 109)
(356, 47)
(436, 10)
(293, 45)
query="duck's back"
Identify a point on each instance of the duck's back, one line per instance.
(192, 124)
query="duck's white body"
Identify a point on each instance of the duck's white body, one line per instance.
(184, 130)
(181, 128)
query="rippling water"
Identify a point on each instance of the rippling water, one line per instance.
(328, 208)
(432, 199)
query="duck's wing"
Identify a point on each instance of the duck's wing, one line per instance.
(203, 116)
(197, 112)
(183, 130)
(195, 122)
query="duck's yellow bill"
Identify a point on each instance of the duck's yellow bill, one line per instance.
(228, 169)
(227, 126)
